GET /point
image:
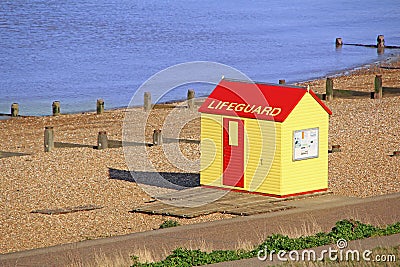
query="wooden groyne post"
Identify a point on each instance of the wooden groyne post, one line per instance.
(14, 109)
(56, 108)
(336, 148)
(339, 42)
(102, 140)
(329, 89)
(48, 138)
(380, 41)
(190, 99)
(147, 101)
(100, 106)
(157, 138)
(378, 87)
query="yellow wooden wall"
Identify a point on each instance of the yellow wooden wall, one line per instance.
(211, 150)
(263, 157)
(308, 174)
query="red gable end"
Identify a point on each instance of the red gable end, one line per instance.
(252, 100)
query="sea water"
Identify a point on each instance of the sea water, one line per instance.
(78, 51)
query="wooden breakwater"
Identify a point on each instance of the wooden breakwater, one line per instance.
(380, 44)
(378, 92)
(147, 105)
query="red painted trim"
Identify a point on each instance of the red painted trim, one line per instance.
(266, 194)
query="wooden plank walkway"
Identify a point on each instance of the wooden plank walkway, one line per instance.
(198, 201)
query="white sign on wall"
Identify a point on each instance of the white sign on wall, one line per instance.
(305, 144)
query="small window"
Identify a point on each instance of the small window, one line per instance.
(233, 133)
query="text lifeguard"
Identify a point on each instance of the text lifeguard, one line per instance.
(246, 108)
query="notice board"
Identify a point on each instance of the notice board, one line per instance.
(305, 144)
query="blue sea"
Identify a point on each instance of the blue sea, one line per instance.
(79, 51)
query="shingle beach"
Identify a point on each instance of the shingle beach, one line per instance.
(367, 130)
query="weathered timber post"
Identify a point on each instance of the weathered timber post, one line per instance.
(56, 108)
(329, 89)
(282, 82)
(100, 106)
(339, 42)
(380, 41)
(336, 148)
(14, 110)
(102, 140)
(378, 87)
(48, 139)
(157, 138)
(147, 101)
(190, 99)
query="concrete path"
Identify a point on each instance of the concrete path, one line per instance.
(311, 214)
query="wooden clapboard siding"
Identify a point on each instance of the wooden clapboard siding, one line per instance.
(211, 150)
(262, 148)
(309, 174)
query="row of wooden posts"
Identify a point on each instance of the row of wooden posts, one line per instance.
(102, 139)
(56, 108)
(380, 42)
(377, 94)
(328, 96)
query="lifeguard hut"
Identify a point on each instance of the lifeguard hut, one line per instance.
(263, 138)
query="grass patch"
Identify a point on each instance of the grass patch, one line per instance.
(168, 224)
(346, 229)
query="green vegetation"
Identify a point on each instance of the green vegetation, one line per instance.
(346, 229)
(169, 223)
